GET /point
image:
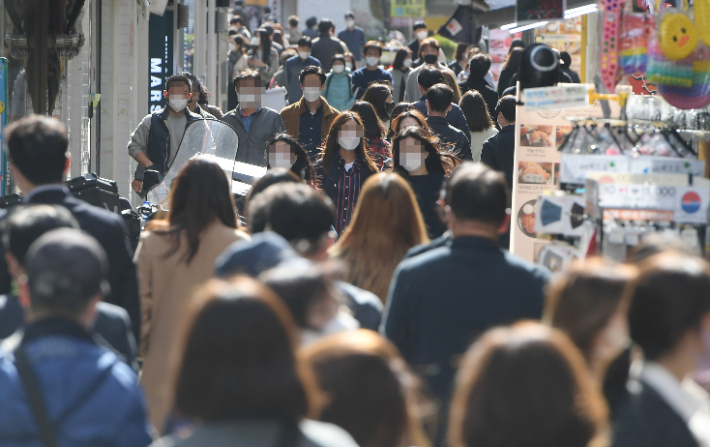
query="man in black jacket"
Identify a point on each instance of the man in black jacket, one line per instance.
(499, 150)
(38, 147)
(478, 67)
(441, 300)
(438, 101)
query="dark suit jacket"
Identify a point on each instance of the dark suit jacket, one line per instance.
(112, 327)
(499, 152)
(644, 419)
(110, 230)
(449, 134)
(454, 117)
(441, 300)
(481, 86)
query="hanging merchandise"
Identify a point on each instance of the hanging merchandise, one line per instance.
(633, 43)
(610, 57)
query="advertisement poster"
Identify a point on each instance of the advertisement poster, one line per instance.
(5, 186)
(500, 41)
(160, 50)
(564, 36)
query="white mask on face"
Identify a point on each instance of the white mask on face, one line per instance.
(304, 55)
(311, 93)
(421, 35)
(412, 162)
(372, 61)
(280, 160)
(349, 65)
(338, 68)
(349, 23)
(407, 63)
(255, 41)
(349, 143)
(249, 100)
(178, 103)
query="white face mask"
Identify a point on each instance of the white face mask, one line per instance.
(247, 99)
(349, 65)
(421, 35)
(178, 103)
(338, 68)
(311, 93)
(349, 23)
(407, 63)
(372, 61)
(349, 143)
(304, 54)
(280, 160)
(411, 161)
(255, 41)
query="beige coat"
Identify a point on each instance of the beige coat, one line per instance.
(166, 285)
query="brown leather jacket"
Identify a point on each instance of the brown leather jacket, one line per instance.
(291, 116)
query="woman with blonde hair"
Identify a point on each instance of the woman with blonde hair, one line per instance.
(387, 222)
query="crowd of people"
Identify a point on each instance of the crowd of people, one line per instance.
(369, 301)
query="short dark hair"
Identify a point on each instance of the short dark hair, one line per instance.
(429, 76)
(506, 106)
(178, 78)
(272, 177)
(418, 25)
(478, 193)
(38, 146)
(339, 58)
(325, 25)
(429, 42)
(311, 22)
(439, 97)
(372, 44)
(195, 85)
(236, 19)
(248, 73)
(297, 212)
(27, 223)
(238, 359)
(671, 297)
(293, 20)
(312, 69)
(305, 41)
(232, 32)
(479, 66)
(566, 58)
(349, 15)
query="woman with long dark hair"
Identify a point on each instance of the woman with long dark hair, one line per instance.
(478, 120)
(463, 51)
(174, 257)
(386, 224)
(374, 131)
(380, 96)
(418, 158)
(511, 66)
(398, 110)
(263, 56)
(401, 67)
(409, 118)
(237, 376)
(345, 165)
(285, 152)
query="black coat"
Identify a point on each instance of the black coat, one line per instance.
(110, 231)
(499, 152)
(504, 80)
(441, 300)
(644, 419)
(451, 135)
(490, 96)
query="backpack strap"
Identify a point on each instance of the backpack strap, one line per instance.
(34, 396)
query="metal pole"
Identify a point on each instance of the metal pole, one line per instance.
(198, 61)
(211, 81)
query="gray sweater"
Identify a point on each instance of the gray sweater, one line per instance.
(265, 123)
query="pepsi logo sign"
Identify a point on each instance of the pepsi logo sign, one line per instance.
(690, 203)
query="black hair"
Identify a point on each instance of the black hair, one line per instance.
(195, 84)
(247, 73)
(377, 94)
(239, 40)
(236, 19)
(419, 24)
(302, 167)
(312, 69)
(311, 22)
(429, 76)
(566, 58)
(232, 32)
(337, 58)
(349, 15)
(372, 125)
(400, 56)
(438, 161)
(461, 49)
(398, 110)
(305, 41)
(38, 146)
(293, 20)
(27, 223)
(178, 78)
(265, 44)
(373, 44)
(439, 97)
(506, 106)
(477, 193)
(325, 25)
(479, 66)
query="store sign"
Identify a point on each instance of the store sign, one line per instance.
(527, 11)
(408, 8)
(574, 168)
(571, 96)
(160, 52)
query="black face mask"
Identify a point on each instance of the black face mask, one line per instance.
(389, 107)
(431, 59)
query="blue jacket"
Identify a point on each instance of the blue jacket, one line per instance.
(454, 117)
(92, 398)
(338, 90)
(159, 137)
(292, 71)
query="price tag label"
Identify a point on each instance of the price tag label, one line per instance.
(574, 168)
(569, 96)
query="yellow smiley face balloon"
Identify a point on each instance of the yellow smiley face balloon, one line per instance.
(677, 36)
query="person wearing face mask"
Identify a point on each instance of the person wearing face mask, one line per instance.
(498, 151)
(155, 141)
(309, 119)
(420, 34)
(353, 37)
(377, 146)
(263, 56)
(194, 104)
(428, 77)
(344, 166)
(401, 67)
(254, 123)
(428, 58)
(326, 46)
(371, 72)
(286, 153)
(380, 96)
(669, 319)
(418, 158)
(463, 51)
(350, 62)
(338, 85)
(295, 65)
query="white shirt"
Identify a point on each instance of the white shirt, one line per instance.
(688, 399)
